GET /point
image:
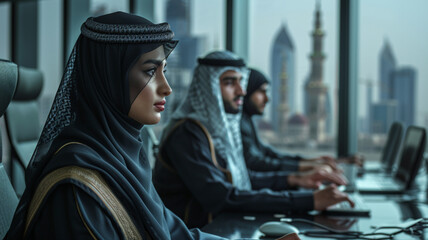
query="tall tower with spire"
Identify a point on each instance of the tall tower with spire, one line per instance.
(315, 89)
(283, 106)
(387, 65)
(282, 61)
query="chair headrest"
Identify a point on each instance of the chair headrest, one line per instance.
(8, 82)
(30, 84)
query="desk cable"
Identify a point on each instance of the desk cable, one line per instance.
(327, 232)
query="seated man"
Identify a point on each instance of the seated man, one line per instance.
(201, 169)
(261, 157)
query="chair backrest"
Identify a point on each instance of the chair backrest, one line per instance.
(8, 198)
(23, 124)
(393, 142)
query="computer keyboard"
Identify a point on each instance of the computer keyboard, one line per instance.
(344, 208)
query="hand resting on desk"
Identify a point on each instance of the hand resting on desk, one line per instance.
(314, 179)
(329, 196)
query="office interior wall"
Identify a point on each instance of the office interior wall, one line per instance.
(24, 33)
(5, 30)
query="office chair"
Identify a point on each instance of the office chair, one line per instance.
(23, 124)
(8, 198)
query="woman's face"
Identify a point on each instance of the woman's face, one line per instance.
(150, 102)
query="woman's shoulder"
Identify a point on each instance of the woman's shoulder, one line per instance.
(74, 149)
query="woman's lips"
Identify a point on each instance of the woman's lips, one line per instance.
(160, 106)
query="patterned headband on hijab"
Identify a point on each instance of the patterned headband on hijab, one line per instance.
(119, 33)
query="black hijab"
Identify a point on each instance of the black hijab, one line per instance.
(255, 81)
(91, 107)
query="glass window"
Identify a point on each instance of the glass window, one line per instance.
(199, 25)
(50, 26)
(393, 70)
(100, 7)
(294, 43)
(50, 36)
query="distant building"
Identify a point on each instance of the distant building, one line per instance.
(397, 85)
(182, 60)
(298, 131)
(383, 115)
(404, 92)
(283, 108)
(329, 127)
(282, 54)
(387, 66)
(366, 125)
(315, 89)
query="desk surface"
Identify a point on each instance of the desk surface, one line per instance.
(385, 210)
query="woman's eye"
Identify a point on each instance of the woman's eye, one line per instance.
(150, 72)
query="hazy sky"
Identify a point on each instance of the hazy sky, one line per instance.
(399, 21)
(403, 24)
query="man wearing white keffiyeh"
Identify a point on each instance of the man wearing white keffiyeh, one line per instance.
(201, 169)
(206, 106)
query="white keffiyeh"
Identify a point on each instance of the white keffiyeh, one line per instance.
(204, 103)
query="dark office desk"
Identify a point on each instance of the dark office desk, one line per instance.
(385, 210)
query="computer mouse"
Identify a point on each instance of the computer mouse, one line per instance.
(277, 229)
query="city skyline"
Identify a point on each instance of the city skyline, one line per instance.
(373, 29)
(406, 36)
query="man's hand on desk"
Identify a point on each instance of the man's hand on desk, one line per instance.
(354, 159)
(313, 179)
(328, 161)
(329, 196)
(316, 163)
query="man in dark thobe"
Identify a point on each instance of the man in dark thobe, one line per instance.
(201, 169)
(262, 157)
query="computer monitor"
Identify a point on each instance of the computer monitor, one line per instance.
(411, 155)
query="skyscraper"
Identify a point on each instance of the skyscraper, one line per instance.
(383, 115)
(403, 89)
(283, 107)
(282, 53)
(397, 85)
(387, 67)
(367, 123)
(315, 89)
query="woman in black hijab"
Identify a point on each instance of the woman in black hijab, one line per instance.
(89, 177)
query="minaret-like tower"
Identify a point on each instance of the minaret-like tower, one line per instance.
(283, 92)
(316, 90)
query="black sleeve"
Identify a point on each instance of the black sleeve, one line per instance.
(272, 152)
(70, 213)
(188, 149)
(260, 157)
(274, 180)
(178, 229)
